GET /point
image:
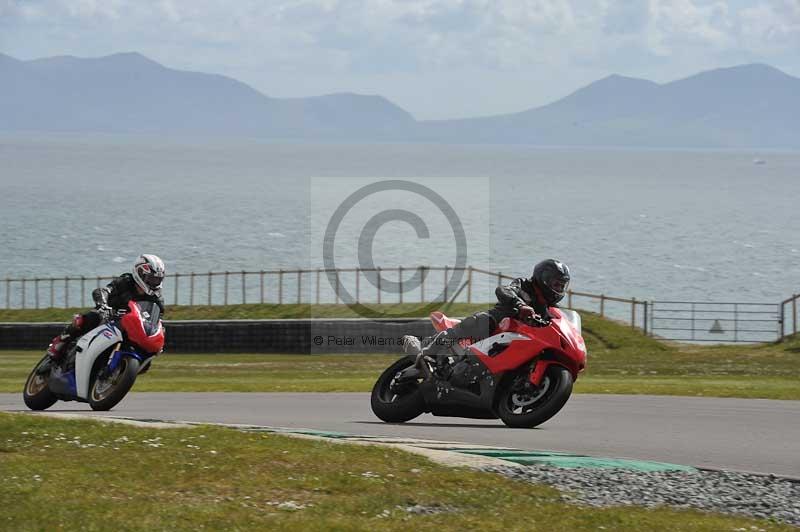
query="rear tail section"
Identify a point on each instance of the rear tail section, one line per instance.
(441, 322)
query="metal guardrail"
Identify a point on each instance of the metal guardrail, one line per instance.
(682, 321)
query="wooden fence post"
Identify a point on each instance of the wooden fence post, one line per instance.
(299, 286)
(176, 289)
(336, 286)
(208, 296)
(602, 305)
(358, 285)
(469, 285)
(445, 283)
(225, 298)
(569, 298)
(794, 314)
(379, 284)
(83, 291)
(66, 292)
(23, 292)
(633, 312)
(280, 286)
(644, 318)
(36, 291)
(261, 286)
(400, 282)
(318, 275)
(244, 288)
(422, 284)
(52, 293)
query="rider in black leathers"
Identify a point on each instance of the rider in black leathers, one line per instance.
(525, 299)
(142, 284)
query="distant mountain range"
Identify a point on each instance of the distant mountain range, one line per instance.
(748, 106)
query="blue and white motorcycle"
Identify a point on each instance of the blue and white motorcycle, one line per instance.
(101, 366)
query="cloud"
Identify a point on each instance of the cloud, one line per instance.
(771, 27)
(320, 45)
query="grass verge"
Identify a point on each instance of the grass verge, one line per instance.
(357, 373)
(86, 475)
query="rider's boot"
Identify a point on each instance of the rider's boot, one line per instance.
(59, 343)
(433, 348)
(56, 348)
(412, 345)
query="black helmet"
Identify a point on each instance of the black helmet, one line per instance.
(551, 277)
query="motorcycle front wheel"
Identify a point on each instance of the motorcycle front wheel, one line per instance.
(108, 390)
(37, 394)
(394, 401)
(520, 405)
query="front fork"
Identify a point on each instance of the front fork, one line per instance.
(116, 358)
(539, 370)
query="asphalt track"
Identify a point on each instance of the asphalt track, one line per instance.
(750, 435)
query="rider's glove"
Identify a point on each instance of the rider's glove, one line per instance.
(527, 313)
(105, 312)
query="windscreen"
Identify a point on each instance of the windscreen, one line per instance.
(150, 313)
(573, 317)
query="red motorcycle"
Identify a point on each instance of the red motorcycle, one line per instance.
(522, 374)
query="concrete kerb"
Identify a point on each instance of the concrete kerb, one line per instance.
(452, 454)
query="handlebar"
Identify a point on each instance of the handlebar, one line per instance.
(537, 321)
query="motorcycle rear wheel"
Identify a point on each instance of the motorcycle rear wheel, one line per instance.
(522, 408)
(391, 406)
(105, 393)
(37, 394)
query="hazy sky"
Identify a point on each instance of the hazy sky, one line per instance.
(435, 58)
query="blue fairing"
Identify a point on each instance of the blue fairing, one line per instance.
(73, 387)
(117, 356)
(63, 383)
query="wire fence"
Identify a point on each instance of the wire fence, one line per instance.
(683, 321)
(704, 321)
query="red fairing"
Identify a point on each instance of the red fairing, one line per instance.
(132, 324)
(559, 337)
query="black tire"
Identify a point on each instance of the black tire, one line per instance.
(37, 394)
(104, 395)
(558, 382)
(391, 407)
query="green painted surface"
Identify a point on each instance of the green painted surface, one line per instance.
(574, 461)
(552, 458)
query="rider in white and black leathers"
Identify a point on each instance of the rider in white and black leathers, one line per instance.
(142, 284)
(526, 299)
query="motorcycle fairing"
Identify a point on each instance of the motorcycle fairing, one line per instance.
(493, 343)
(90, 346)
(569, 323)
(133, 322)
(62, 383)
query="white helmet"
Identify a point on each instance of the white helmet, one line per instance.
(148, 272)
